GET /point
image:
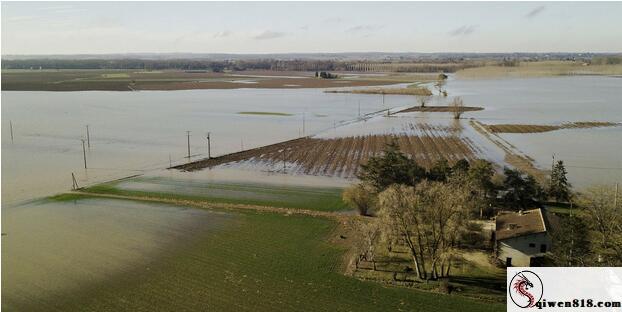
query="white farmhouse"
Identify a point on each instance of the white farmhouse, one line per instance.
(522, 238)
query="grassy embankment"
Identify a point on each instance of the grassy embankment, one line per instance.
(412, 89)
(260, 262)
(522, 128)
(265, 113)
(267, 195)
(539, 69)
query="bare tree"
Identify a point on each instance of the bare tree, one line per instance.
(428, 219)
(457, 107)
(370, 233)
(361, 197)
(605, 220)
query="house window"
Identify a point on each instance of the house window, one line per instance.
(543, 248)
(532, 245)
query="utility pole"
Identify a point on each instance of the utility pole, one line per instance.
(88, 137)
(188, 135)
(241, 144)
(84, 153)
(552, 167)
(303, 123)
(11, 125)
(553, 163)
(283, 160)
(359, 108)
(170, 161)
(209, 152)
(75, 183)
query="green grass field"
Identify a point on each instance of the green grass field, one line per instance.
(312, 198)
(258, 262)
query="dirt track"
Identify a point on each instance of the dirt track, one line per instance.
(439, 109)
(522, 128)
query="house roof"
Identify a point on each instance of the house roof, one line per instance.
(515, 224)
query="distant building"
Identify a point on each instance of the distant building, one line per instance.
(523, 238)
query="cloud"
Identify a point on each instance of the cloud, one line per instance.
(62, 9)
(333, 20)
(364, 28)
(20, 18)
(268, 34)
(463, 30)
(223, 34)
(536, 11)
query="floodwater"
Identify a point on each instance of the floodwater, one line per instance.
(133, 132)
(53, 247)
(592, 156)
(50, 249)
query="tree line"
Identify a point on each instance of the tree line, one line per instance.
(234, 65)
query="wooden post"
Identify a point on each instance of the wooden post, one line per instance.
(11, 125)
(209, 152)
(88, 137)
(188, 135)
(359, 108)
(283, 160)
(84, 153)
(74, 185)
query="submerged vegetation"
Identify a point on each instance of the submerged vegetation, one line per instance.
(422, 91)
(265, 113)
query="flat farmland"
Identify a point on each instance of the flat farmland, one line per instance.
(258, 262)
(128, 80)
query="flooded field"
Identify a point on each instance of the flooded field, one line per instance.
(135, 132)
(284, 148)
(131, 132)
(591, 155)
(51, 248)
(341, 151)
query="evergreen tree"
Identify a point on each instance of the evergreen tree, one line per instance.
(393, 167)
(522, 192)
(559, 187)
(440, 171)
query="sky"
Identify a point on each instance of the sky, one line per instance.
(289, 27)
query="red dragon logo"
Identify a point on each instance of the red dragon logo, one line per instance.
(523, 291)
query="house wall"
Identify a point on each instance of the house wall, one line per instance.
(518, 248)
